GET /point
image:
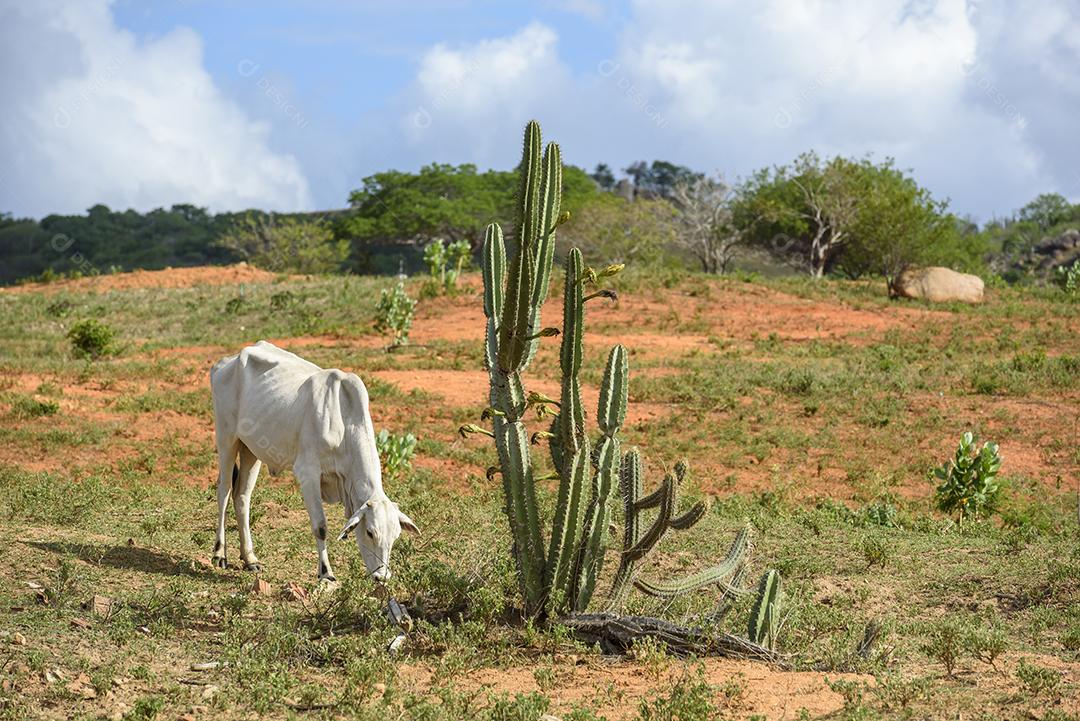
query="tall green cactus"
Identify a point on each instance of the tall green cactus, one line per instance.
(562, 574)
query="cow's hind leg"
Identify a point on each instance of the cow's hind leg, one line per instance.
(227, 473)
(243, 485)
(310, 478)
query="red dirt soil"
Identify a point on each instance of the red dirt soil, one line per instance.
(654, 325)
(167, 278)
(614, 689)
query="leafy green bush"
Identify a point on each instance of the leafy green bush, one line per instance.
(1069, 278)
(445, 263)
(395, 314)
(967, 481)
(90, 338)
(30, 407)
(395, 451)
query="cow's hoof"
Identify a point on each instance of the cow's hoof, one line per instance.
(253, 566)
(219, 562)
(326, 583)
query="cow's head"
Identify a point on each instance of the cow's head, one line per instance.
(377, 525)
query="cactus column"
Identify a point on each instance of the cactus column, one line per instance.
(561, 575)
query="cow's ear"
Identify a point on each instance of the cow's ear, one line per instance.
(407, 523)
(352, 523)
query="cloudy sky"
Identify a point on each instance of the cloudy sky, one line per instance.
(233, 104)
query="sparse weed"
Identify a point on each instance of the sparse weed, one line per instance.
(875, 550)
(945, 643)
(988, 643)
(652, 654)
(146, 708)
(1037, 679)
(690, 698)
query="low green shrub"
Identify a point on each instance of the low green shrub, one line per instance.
(1069, 279)
(1037, 679)
(395, 452)
(691, 698)
(395, 314)
(967, 484)
(90, 338)
(945, 643)
(29, 407)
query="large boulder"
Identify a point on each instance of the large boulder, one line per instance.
(939, 285)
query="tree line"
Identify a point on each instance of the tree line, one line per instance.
(842, 216)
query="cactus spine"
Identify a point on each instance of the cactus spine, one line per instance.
(563, 575)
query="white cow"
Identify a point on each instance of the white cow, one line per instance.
(273, 407)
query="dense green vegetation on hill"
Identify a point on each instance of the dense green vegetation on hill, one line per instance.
(840, 216)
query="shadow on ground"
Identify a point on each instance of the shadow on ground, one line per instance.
(132, 558)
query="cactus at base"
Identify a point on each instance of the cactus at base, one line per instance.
(723, 574)
(561, 574)
(764, 622)
(637, 544)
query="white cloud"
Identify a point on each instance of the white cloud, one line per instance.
(979, 99)
(93, 116)
(932, 83)
(472, 93)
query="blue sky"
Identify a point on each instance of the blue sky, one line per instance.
(288, 105)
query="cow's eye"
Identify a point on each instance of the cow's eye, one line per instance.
(369, 534)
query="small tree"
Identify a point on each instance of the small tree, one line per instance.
(612, 230)
(803, 213)
(395, 314)
(898, 225)
(967, 484)
(706, 222)
(284, 244)
(1046, 211)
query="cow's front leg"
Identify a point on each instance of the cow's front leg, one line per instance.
(243, 485)
(310, 478)
(227, 473)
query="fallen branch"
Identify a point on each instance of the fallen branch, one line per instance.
(617, 634)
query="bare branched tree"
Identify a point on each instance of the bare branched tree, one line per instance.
(705, 216)
(830, 208)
